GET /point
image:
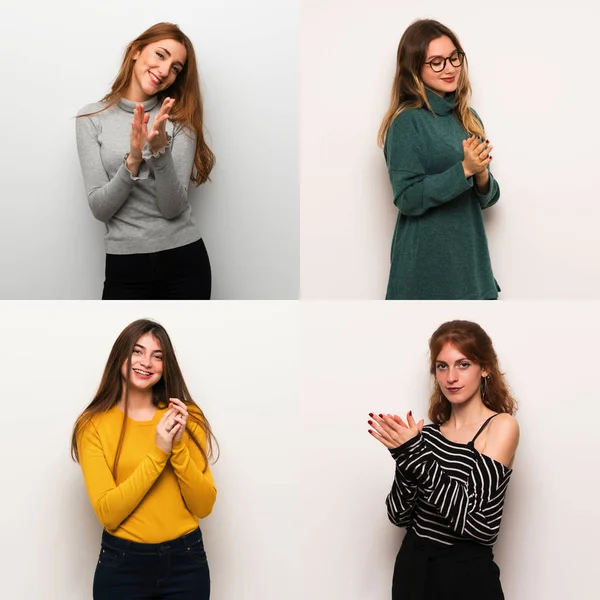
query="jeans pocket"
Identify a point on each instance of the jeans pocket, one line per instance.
(196, 552)
(110, 557)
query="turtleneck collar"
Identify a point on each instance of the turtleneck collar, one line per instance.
(129, 106)
(441, 106)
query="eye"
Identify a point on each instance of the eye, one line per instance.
(137, 351)
(176, 70)
(159, 54)
(437, 62)
(465, 365)
(440, 367)
(158, 357)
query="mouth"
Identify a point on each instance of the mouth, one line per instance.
(453, 390)
(449, 79)
(154, 79)
(142, 374)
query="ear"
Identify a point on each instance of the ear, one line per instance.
(136, 55)
(484, 373)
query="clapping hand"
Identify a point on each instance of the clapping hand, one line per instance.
(392, 431)
(476, 155)
(157, 138)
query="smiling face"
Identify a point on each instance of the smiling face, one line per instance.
(146, 363)
(155, 69)
(458, 377)
(446, 81)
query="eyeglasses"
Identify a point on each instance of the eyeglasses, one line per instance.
(438, 64)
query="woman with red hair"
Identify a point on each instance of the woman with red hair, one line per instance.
(452, 475)
(139, 148)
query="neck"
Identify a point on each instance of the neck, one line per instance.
(137, 400)
(467, 413)
(135, 94)
(437, 93)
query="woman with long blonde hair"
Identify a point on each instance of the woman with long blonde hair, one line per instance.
(144, 447)
(438, 161)
(139, 148)
(452, 475)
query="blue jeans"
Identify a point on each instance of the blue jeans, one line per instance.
(176, 569)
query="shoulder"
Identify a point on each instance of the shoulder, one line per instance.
(90, 108)
(502, 438)
(476, 115)
(408, 119)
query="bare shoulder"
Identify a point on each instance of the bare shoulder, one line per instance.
(502, 439)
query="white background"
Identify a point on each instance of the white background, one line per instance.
(373, 357)
(58, 57)
(241, 364)
(535, 86)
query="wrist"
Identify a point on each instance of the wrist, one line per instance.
(468, 172)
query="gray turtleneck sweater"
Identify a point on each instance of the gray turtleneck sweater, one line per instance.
(143, 214)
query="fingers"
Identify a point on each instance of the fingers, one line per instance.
(420, 425)
(382, 430)
(410, 420)
(178, 404)
(385, 442)
(400, 421)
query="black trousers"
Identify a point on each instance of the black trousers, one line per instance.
(173, 570)
(178, 274)
(427, 570)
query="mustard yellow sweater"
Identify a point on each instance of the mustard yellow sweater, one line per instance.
(156, 496)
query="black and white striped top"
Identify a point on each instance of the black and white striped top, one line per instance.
(446, 491)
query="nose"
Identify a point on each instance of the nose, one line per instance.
(451, 375)
(145, 361)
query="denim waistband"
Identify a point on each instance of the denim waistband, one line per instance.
(180, 543)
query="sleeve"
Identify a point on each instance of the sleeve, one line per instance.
(473, 510)
(197, 486)
(105, 196)
(416, 191)
(493, 194)
(402, 498)
(172, 169)
(113, 503)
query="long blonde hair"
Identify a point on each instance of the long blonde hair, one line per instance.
(188, 108)
(408, 90)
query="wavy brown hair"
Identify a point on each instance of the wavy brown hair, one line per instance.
(188, 108)
(408, 90)
(171, 385)
(476, 345)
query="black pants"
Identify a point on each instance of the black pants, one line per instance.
(427, 570)
(173, 570)
(179, 274)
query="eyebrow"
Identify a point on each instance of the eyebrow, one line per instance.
(464, 359)
(144, 348)
(178, 62)
(440, 56)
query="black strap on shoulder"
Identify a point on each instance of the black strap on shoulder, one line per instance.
(482, 428)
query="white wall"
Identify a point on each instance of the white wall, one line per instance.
(59, 57)
(240, 362)
(534, 86)
(371, 357)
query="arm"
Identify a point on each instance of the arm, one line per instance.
(105, 196)
(468, 512)
(415, 191)
(197, 486)
(402, 498)
(113, 503)
(486, 187)
(172, 168)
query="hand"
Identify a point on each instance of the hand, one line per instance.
(392, 431)
(157, 138)
(166, 430)
(477, 155)
(180, 417)
(139, 133)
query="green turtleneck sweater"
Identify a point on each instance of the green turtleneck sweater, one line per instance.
(439, 250)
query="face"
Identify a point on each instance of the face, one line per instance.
(155, 69)
(446, 81)
(459, 378)
(146, 363)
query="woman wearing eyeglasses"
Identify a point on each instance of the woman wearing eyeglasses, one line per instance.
(438, 160)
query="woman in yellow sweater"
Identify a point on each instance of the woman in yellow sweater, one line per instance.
(144, 447)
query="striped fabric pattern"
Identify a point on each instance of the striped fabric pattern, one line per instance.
(446, 491)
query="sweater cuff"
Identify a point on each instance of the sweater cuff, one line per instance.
(159, 159)
(159, 456)
(403, 451)
(142, 172)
